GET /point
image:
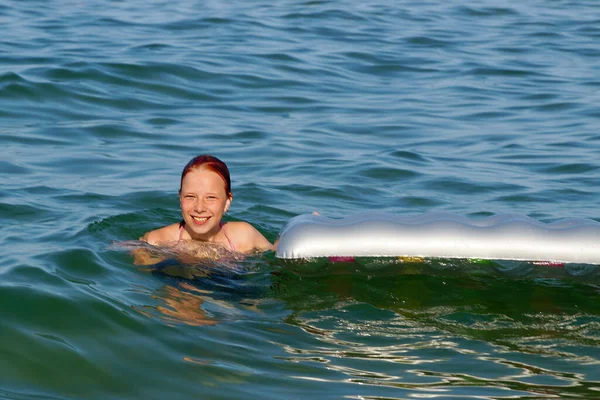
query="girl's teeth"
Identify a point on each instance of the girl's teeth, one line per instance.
(200, 219)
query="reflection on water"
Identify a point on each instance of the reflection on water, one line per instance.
(441, 332)
(182, 305)
(376, 328)
(194, 283)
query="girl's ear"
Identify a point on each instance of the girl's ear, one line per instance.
(228, 203)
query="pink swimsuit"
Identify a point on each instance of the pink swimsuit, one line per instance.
(231, 246)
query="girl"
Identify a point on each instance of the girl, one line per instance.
(204, 196)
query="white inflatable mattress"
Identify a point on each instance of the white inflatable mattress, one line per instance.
(443, 235)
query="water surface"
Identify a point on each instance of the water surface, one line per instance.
(330, 106)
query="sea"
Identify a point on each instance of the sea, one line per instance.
(340, 107)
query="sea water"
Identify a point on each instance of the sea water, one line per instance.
(340, 107)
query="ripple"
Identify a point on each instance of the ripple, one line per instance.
(486, 11)
(578, 168)
(390, 174)
(408, 155)
(426, 41)
(486, 71)
(25, 213)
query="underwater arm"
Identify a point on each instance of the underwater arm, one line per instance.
(144, 255)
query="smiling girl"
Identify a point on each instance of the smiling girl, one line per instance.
(204, 196)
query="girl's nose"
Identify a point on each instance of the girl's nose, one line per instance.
(200, 205)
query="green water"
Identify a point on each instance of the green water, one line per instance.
(338, 107)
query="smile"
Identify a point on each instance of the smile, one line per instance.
(200, 219)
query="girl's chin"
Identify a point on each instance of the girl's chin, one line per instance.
(201, 228)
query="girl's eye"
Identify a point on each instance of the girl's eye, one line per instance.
(189, 196)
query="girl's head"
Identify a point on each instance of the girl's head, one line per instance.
(204, 196)
(212, 164)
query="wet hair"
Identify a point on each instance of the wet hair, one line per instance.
(212, 164)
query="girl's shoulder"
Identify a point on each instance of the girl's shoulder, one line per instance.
(246, 237)
(164, 235)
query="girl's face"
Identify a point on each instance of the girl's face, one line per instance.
(203, 202)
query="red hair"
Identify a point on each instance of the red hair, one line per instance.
(212, 164)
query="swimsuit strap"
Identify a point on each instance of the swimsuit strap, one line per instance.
(231, 246)
(181, 229)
